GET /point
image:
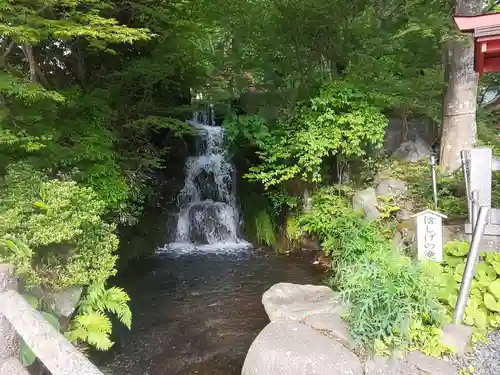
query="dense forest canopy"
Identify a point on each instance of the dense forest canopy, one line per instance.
(93, 96)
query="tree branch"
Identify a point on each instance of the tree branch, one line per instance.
(5, 53)
(8, 50)
(28, 52)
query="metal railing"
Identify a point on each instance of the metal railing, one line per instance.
(18, 319)
(472, 259)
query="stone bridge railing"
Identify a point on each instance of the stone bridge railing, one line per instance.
(19, 320)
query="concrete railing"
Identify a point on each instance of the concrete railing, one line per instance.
(18, 319)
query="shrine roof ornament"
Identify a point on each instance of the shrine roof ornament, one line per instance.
(485, 29)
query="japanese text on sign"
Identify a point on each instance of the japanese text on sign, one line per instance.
(429, 237)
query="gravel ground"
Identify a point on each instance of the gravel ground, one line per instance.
(485, 360)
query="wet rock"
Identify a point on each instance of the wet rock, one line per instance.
(333, 326)
(391, 187)
(62, 302)
(430, 365)
(366, 200)
(296, 302)
(389, 366)
(211, 222)
(292, 348)
(413, 151)
(457, 336)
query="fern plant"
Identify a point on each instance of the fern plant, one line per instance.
(92, 325)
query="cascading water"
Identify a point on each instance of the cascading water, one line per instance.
(208, 218)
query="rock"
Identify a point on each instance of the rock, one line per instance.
(453, 233)
(391, 187)
(209, 221)
(431, 365)
(296, 302)
(404, 214)
(62, 302)
(389, 366)
(457, 336)
(366, 200)
(333, 326)
(293, 348)
(384, 174)
(13, 366)
(413, 151)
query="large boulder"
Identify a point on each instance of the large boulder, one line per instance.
(332, 325)
(413, 151)
(389, 366)
(293, 348)
(391, 187)
(430, 365)
(366, 200)
(296, 302)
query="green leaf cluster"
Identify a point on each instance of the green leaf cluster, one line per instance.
(483, 307)
(340, 120)
(92, 324)
(53, 231)
(387, 291)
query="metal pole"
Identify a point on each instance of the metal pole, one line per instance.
(466, 172)
(474, 209)
(463, 294)
(434, 181)
(465, 169)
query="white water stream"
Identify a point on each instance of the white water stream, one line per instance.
(208, 220)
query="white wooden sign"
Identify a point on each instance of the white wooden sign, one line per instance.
(430, 235)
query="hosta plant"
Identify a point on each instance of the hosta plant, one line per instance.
(483, 306)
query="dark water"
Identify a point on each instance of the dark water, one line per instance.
(198, 314)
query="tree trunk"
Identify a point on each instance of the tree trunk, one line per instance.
(459, 105)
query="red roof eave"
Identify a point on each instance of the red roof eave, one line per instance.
(469, 23)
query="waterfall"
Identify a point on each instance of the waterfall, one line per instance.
(208, 218)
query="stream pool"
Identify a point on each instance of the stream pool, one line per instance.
(198, 313)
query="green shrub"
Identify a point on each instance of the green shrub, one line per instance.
(264, 228)
(52, 231)
(388, 292)
(417, 176)
(340, 120)
(293, 230)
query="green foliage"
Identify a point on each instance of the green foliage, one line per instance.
(92, 324)
(341, 119)
(52, 230)
(293, 230)
(387, 292)
(417, 176)
(482, 310)
(265, 229)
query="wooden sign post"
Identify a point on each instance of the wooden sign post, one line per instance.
(430, 235)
